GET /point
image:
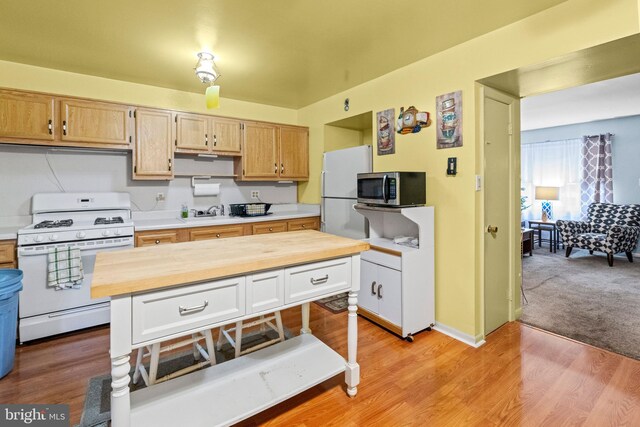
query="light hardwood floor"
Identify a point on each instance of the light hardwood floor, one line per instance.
(522, 376)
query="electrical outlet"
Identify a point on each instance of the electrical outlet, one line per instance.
(255, 194)
(160, 197)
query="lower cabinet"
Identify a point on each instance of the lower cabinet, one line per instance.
(381, 294)
(269, 227)
(8, 254)
(152, 238)
(176, 235)
(216, 232)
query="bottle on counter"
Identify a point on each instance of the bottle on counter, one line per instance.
(184, 212)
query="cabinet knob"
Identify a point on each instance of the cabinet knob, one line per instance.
(304, 226)
(157, 242)
(270, 229)
(373, 287)
(217, 234)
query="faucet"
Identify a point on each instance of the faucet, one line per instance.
(212, 210)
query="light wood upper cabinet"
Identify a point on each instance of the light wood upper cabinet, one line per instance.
(92, 122)
(259, 151)
(192, 133)
(154, 144)
(294, 153)
(26, 116)
(227, 136)
(273, 153)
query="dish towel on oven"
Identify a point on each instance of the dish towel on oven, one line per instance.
(65, 269)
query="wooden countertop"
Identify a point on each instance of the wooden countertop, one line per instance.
(148, 268)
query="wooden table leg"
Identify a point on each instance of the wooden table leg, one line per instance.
(352, 373)
(305, 318)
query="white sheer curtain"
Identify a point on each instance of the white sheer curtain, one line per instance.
(552, 164)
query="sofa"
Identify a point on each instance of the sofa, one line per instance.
(610, 228)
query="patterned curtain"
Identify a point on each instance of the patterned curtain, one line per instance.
(597, 171)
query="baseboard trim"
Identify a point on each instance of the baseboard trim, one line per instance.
(475, 342)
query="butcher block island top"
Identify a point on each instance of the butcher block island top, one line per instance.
(149, 268)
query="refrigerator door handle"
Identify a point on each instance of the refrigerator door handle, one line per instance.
(322, 225)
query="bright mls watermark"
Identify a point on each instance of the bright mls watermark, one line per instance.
(34, 415)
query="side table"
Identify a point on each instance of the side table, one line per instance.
(550, 226)
(527, 241)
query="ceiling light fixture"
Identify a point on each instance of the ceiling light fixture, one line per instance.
(207, 73)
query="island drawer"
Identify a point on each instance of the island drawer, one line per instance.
(161, 313)
(310, 280)
(265, 290)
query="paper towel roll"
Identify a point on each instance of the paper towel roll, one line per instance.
(206, 189)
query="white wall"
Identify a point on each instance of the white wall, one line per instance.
(24, 171)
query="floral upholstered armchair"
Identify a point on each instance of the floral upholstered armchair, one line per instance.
(610, 229)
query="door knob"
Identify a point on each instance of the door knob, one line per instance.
(492, 229)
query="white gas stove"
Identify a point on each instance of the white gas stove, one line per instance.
(91, 222)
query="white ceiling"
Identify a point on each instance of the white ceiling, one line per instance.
(607, 99)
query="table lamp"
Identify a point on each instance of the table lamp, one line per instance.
(545, 194)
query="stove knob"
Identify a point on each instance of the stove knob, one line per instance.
(53, 237)
(81, 234)
(106, 233)
(116, 232)
(38, 238)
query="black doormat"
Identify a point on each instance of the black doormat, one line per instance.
(335, 304)
(97, 402)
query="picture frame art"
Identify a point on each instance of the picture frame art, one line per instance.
(385, 126)
(449, 120)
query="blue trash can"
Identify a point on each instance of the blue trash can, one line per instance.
(10, 285)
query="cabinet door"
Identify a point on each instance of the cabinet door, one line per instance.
(269, 227)
(154, 149)
(260, 151)
(226, 136)
(390, 294)
(7, 251)
(25, 115)
(294, 153)
(156, 238)
(368, 296)
(95, 122)
(192, 133)
(219, 232)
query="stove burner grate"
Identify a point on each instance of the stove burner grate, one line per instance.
(54, 224)
(112, 220)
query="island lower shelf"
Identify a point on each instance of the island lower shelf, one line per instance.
(240, 387)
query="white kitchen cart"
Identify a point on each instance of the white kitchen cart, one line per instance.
(167, 291)
(397, 281)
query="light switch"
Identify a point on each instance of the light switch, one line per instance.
(478, 183)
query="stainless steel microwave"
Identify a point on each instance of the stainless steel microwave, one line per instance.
(392, 188)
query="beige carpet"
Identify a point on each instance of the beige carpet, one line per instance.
(581, 297)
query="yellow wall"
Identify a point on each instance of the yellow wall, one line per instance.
(337, 138)
(570, 26)
(27, 77)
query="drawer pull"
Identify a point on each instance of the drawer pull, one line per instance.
(379, 291)
(320, 280)
(189, 310)
(304, 226)
(270, 228)
(157, 242)
(217, 235)
(373, 288)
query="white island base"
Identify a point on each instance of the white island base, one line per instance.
(232, 391)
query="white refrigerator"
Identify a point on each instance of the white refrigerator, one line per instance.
(339, 191)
